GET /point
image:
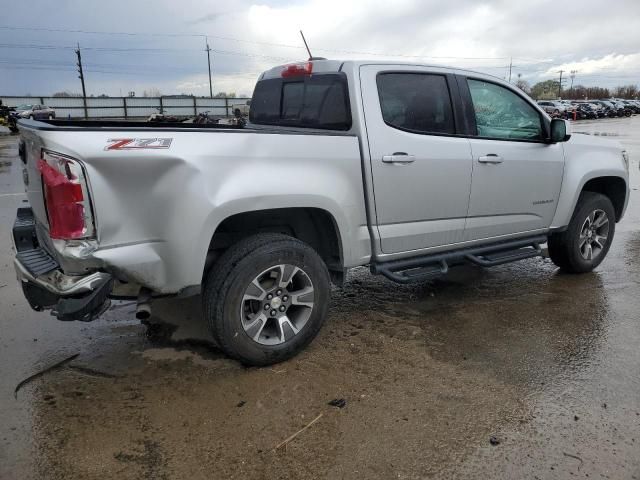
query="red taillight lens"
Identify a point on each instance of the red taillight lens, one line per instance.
(297, 70)
(66, 197)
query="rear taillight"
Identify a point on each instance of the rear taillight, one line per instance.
(66, 197)
(297, 70)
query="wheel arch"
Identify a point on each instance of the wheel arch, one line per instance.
(315, 226)
(613, 187)
(607, 182)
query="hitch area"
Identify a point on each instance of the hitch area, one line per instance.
(46, 287)
(430, 266)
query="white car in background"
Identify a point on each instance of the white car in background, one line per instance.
(553, 107)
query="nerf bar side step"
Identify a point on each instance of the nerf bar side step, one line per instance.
(430, 266)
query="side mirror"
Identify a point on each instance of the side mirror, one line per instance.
(560, 130)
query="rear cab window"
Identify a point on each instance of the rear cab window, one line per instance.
(316, 101)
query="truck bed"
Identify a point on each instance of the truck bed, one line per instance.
(160, 191)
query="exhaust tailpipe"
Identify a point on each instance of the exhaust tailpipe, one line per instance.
(143, 310)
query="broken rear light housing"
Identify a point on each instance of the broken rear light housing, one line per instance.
(66, 195)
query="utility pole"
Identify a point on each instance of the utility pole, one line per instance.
(510, 65)
(560, 84)
(81, 77)
(208, 49)
(573, 76)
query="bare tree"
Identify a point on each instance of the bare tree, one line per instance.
(152, 92)
(626, 91)
(524, 86)
(66, 94)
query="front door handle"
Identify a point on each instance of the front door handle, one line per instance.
(399, 158)
(490, 158)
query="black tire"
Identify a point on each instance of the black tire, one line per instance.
(564, 247)
(227, 281)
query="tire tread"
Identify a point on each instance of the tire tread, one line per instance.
(221, 275)
(560, 244)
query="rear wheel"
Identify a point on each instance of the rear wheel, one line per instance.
(586, 241)
(266, 298)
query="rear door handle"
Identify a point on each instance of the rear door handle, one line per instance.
(490, 158)
(399, 158)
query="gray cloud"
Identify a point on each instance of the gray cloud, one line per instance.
(601, 42)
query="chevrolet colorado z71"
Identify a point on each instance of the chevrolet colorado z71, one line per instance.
(410, 169)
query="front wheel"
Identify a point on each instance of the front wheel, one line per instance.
(587, 239)
(266, 298)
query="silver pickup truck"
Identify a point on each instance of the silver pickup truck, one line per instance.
(409, 169)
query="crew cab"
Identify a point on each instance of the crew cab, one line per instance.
(408, 169)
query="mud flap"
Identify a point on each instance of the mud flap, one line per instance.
(85, 308)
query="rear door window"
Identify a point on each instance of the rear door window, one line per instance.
(416, 102)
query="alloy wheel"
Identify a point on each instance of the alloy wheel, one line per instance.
(277, 304)
(594, 235)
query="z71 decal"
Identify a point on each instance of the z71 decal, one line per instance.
(138, 143)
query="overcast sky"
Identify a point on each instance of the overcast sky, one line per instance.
(139, 45)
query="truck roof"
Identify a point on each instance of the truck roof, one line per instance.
(336, 65)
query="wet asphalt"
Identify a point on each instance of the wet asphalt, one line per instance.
(513, 372)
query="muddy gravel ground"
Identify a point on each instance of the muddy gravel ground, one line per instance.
(513, 372)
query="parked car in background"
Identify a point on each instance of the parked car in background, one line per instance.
(584, 110)
(623, 110)
(569, 107)
(34, 112)
(609, 108)
(553, 107)
(618, 107)
(599, 109)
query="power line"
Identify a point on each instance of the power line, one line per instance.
(140, 50)
(220, 37)
(61, 30)
(71, 69)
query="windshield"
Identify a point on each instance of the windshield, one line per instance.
(24, 106)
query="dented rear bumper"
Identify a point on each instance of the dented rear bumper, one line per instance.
(47, 287)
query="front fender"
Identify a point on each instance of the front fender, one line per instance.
(585, 160)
